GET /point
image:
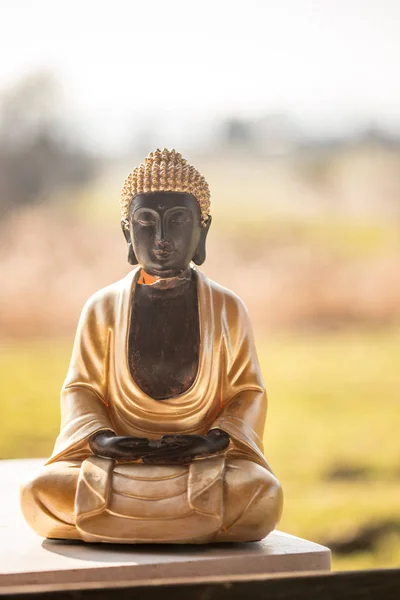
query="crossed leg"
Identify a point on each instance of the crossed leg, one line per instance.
(252, 499)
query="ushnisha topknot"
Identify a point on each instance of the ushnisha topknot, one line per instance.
(165, 171)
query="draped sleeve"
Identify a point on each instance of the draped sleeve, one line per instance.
(84, 393)
(244, 399)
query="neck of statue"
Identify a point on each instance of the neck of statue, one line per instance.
(164, 283)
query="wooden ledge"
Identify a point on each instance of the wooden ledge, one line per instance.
(28, 561)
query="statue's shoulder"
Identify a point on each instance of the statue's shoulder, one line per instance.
(108, 299)
(225, 299)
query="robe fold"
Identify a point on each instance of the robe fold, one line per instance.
(141, 503)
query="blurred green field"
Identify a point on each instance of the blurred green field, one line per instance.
(334, 404)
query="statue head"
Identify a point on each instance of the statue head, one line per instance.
(165, 210)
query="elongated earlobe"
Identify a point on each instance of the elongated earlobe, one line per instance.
(200, 254)
(132, 260)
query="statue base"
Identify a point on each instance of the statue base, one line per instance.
(27, 561)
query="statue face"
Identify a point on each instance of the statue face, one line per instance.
(165, 231)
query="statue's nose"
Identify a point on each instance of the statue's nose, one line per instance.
(160, 232)
(162, 236)
(163, 244)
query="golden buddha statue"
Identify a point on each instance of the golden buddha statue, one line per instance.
(163, 406)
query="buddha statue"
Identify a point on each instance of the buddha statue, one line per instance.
(163, 407)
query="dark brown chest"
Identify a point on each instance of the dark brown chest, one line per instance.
(164, 339)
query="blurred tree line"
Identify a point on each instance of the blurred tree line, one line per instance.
(42, 153)
(38, 154)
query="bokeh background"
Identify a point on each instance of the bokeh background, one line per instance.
(291, 110)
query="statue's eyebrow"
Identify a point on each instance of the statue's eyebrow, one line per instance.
(175, 208)
(145, 208)
(156, 212)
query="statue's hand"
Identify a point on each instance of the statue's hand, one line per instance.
(109, 445)
(182, 449)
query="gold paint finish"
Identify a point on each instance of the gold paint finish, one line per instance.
(231, 496)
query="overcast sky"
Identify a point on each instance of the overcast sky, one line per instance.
(324, 60)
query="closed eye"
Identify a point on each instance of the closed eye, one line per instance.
(179, 218)
(178, 221)
(145, 218)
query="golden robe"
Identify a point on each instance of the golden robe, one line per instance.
(229, 496)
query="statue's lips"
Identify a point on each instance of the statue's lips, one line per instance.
(163, 254)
